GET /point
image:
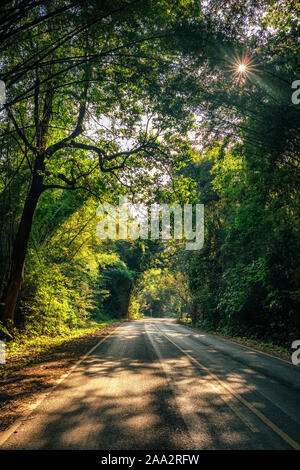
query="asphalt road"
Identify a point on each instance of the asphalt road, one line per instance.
(153, 384)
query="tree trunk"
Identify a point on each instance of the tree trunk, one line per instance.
(13, 286)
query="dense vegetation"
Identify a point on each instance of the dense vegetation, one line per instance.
(144, 98)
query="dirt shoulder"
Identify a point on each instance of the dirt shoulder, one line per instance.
(265, 348)
(21, 387)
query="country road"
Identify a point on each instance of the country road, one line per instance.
(154, 384)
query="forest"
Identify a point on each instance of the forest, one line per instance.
(164, 101)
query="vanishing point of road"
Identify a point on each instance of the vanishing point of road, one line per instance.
(154, 384)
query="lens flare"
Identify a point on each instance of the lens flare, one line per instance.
(241, 68)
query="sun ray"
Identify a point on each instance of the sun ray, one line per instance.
(242, 67)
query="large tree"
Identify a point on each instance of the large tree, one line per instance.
(92, 88)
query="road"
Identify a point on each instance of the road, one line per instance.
(154, 384)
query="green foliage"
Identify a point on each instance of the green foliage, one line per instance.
(160, 293)
(26, 346)
(141, 97)
(60, 291)
(117, 281)
(245, 279)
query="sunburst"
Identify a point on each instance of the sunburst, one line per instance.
(242, 68)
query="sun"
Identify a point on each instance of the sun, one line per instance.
(241, 68)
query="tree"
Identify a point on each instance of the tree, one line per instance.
(105, 65)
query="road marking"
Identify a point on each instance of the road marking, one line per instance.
(248, 422)
(233, 406)
(237, 343)
(295, 445)
(5, 435)
(189, 417)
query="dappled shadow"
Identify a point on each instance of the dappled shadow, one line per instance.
(124, 396)
(20, 387)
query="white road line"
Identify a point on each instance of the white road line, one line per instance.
(5, 435)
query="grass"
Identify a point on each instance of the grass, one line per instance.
(27, 347)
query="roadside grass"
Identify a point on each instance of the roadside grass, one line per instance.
(29, 347)
(263, 346)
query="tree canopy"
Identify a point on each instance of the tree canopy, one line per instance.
(169, 102)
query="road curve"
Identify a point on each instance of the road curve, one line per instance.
(154, 384)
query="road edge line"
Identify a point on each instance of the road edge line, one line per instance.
(5, 435)
(252, 348)
(295, 445)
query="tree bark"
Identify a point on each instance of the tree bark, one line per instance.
(13, 286)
